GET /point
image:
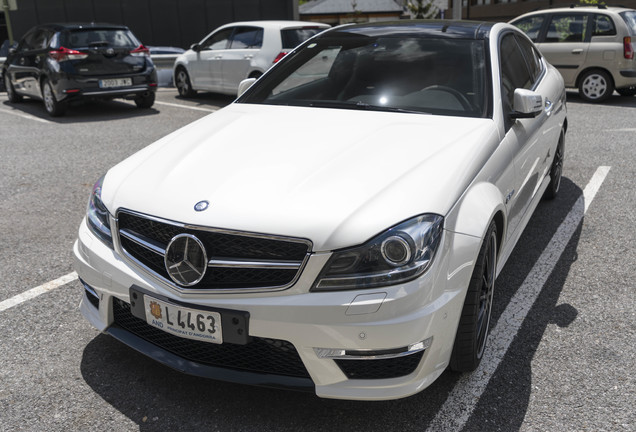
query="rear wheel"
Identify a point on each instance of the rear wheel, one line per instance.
(145, 101)
(472, 333)
(595, 86)
(11, 94)
(54, 107)
(182, 81)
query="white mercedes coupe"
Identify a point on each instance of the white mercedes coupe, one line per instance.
(340, 226)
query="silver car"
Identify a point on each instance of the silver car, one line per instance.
(592, 47)
(237, 51)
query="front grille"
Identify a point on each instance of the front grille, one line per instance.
(380, 369)
(145, 240)
(260, 355)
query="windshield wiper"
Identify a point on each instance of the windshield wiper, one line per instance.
(362, 106)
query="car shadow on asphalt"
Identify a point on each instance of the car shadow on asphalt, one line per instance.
(203, 99)
(84, 111)
(158, 398)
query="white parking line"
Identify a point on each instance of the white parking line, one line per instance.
(34, 292)
(187, 106)
(26, 116)
(462, 399)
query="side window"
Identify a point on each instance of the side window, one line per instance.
(247, 37)
(41, 40)
(514, 70)
(27, 43)
(603, 26)
(218, 40)
(531, 26)
(533, 58)
(567, 28)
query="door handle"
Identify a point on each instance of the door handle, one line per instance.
(248, 56)
(218, 57)
(577, 51)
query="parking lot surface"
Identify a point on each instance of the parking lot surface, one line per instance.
(561, 356)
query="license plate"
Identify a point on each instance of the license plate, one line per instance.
(184, 322)
(116, 82)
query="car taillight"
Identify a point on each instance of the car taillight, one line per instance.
(63, 54)
(140, 51)
(628, 48)
(279, 56)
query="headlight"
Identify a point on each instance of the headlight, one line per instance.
(398, 255)
(97, 215)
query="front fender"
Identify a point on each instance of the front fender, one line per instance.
(482, 203)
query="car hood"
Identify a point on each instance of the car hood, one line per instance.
(335, 177)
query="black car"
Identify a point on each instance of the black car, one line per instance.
(62, 63)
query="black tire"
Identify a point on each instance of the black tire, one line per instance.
(595, 86)
(472, 332)
(556, 170)
(12, 96)
(52, 106)
(627, 91)
(256, 75)
(183, 83)
(145, 101)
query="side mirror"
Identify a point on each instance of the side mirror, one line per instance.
(527, 104)
(195, 47)
(244, 85)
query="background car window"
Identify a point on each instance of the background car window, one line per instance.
(514, 70)
(218, 40)
(531, 26)
(533, 58)
(40, 40)
(291, 38)
(28, 42)
(630, 19)
(247, 37)
(83, 38)
(603, 26)
(567, 28)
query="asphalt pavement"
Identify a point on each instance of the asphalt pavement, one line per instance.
(563, 355)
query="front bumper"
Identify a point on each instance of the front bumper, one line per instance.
(348, 345)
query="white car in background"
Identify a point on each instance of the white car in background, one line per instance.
(237, 51)
(340, 226)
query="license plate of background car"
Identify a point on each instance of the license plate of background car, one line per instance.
(184, 322)
(115, 82)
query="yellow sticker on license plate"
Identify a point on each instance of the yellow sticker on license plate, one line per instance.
(184, 322)
(115, 82)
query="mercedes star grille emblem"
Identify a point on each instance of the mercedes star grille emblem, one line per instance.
(201, 205)
(186, 260)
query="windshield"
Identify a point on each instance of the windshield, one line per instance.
(630, 19)
(412, 74)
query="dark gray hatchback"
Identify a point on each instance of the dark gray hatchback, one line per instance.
(62, 63)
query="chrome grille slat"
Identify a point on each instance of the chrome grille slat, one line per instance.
(238, 261)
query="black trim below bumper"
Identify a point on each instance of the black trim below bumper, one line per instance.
(192, 368)
(628, 73)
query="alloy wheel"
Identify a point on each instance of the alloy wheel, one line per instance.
(486, 295)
